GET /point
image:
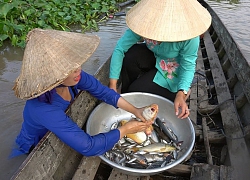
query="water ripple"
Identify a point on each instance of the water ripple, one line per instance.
(236, 17)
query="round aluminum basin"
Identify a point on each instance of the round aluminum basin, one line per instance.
(104, 115)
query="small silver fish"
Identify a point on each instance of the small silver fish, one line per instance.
(157, 147)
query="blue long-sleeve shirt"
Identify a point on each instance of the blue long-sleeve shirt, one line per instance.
(39, 117)
(175, 61)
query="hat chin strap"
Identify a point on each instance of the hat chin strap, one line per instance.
(61, 85)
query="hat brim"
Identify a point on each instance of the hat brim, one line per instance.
(49, 57)
(170, 21)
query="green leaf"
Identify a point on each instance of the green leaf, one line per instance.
(5, 8)
(18, 27)
(41, 23)
(45, 12)
(67, 18)
(6, 28)
(83, 21)
(104, 9)
(174, 74)
(14, 40)
(95, 5)
(61, 13)
(21, 44)
(28, 12)
(3, 37)
(65, 9)
(166, 75)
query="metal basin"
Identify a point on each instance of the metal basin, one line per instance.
(104, 115)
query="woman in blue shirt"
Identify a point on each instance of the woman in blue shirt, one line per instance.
(158, 53)
(49, 80)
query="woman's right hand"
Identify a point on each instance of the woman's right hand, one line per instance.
(113, 84)
(133, 126)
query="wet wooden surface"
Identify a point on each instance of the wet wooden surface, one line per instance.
(237, 147)
(87, 168)
(207, 171)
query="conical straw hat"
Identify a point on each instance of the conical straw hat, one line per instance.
(49, 57)
(168, 20)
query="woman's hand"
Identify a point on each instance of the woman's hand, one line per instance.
(138, 113)
(180, 104)
(125, 105)
(133, 126)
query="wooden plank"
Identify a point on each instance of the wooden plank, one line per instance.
(225, 173)
(209, 109)
(118, 175)
(206, 141)
(247, 132)
(48, 155)
(205, 172)
(237, 148)
(193, 95)
(180, 169)
(202, 85)
(87, 168)
(240, 100)
(44, 160)
(68, 165)
(214, 137)
(211, 172)
(239, 63)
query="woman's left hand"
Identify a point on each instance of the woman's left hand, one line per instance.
(138, 114)
(180, 106)
(125, 105)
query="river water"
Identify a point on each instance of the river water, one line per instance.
(234, 14)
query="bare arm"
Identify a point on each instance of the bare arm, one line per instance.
(113, 84)
(125, 105)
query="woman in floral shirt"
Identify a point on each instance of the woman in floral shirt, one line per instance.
(164, 63)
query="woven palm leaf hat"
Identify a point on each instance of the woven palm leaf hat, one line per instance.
(49, 57)
(168, 20)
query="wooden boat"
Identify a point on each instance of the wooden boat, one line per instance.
(219, 105)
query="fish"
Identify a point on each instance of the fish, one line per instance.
(156, 147)
(138, 137)
(166, 130)
(114, 126)
(136, 165)
(161, 134)
(150, 113)
(153, 137)
(154, 157)
(169, 132)
(154, 165)
(142, 150)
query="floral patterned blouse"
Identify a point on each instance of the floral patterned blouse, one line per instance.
(175, 61)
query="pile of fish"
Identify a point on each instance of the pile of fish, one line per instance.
(142, 151)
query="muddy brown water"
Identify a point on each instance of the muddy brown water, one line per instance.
(11, 107)
(233, 15)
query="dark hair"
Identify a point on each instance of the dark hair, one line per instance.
(47, 97)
